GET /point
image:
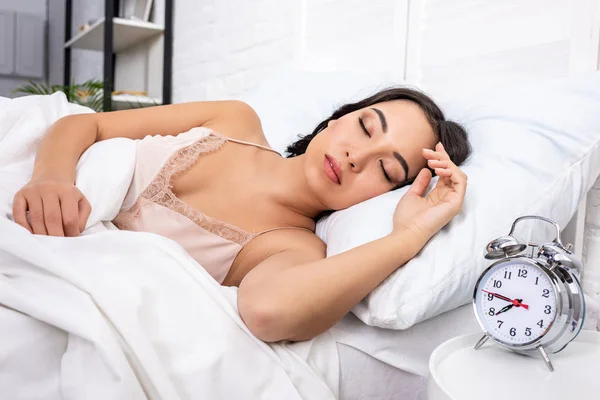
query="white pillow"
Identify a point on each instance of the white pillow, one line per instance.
(536, 151)
(292, 102)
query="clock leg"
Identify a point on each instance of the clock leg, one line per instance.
(483, 339)
(546, 358)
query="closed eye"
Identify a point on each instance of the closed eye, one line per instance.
(387, 177)
(364, 128)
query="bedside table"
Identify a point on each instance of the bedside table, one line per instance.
(458, 372)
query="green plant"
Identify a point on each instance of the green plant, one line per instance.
(89, 93)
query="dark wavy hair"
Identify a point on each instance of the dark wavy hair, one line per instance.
(452, 135)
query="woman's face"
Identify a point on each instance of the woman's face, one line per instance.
(367, 153)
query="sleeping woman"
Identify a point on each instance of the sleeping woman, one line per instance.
(247, 214)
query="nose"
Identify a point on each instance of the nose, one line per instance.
(357, 160)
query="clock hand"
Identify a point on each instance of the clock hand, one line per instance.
(508, 307)
(515, 302)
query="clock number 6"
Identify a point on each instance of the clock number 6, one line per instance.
(513, 331)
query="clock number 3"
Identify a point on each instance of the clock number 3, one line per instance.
(547, 309)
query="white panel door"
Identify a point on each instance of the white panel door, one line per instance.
(30, 46)
(7, 42)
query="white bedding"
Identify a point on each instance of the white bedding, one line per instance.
(364, 377)
(124, 315)
(387, 364)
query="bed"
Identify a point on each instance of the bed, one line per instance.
(375, 363)
(125, 289)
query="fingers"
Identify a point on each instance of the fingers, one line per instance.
(438, 154)
(85, 209)
(69, 208)
(459, 182)
(421, 182)
(55, 208)
(36, 215)
(53, 215)
(433, 164)
(20, 212)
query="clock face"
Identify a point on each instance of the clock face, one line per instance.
(515, 302)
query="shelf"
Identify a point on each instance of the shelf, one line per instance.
(127, 32)
(127, 101)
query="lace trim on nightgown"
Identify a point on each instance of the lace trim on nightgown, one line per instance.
(160, 192)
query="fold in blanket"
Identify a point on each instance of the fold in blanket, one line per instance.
(124, 315)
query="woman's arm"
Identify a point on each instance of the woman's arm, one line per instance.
(70, 136)
(297, 294)
(56, 207)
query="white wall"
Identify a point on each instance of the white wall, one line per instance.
(464, 44)
(223, 48)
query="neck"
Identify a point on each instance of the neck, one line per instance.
(289, 188)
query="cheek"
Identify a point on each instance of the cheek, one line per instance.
(368, 188)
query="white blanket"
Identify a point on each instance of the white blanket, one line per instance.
(123, 315)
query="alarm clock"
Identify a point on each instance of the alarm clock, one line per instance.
(530, 303)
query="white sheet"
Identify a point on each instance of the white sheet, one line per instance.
(386, 364)
(125, 315)
(408, 349)
(364, 377)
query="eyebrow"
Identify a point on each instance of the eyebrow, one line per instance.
(402, 162)
(382, 119)
(384, 127)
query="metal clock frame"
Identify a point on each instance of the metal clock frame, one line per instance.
(570, 305)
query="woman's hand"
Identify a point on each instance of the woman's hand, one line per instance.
(56, 208)
(425, 216)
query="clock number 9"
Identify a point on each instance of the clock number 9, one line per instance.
(547, 309)
(513, 331)
(490, 297)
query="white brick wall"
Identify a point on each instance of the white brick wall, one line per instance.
(223, 48)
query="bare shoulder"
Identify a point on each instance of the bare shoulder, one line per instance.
(239, 121)
(285, 246)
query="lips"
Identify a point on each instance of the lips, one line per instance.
(332, 169)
